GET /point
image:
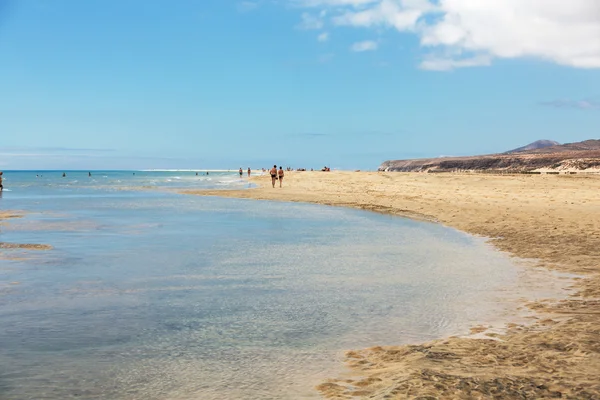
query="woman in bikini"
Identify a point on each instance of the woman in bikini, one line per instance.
(280, 173)
(273, 173)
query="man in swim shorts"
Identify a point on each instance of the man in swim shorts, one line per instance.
(1, 187)
(273, 173)
(241, 172)
(280, 174)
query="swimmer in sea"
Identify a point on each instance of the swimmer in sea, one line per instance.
(280, 173)
(273, 173)
(1, 187)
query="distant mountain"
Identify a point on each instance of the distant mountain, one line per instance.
(543, 155)
(586, 145)
(538, 144)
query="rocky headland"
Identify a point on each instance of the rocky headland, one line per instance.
(540, 156)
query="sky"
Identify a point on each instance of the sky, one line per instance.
(135, 84)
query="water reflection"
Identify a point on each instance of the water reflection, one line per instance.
(214, 298)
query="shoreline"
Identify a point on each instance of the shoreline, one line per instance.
(552, 219)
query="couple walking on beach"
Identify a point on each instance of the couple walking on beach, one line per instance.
(275, 174)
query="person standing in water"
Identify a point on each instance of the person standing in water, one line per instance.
(241, 172)
(64, 175)
(280, 174)
(1, 187)
(249, 171)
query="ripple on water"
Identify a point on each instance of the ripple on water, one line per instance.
(215, 298)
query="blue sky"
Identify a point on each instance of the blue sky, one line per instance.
(101, 84)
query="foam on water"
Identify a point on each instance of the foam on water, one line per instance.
(151, 295)
(39, 183)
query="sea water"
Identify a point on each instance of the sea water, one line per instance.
(149, 294)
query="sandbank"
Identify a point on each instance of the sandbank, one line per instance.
(554, 219)
(5, 217)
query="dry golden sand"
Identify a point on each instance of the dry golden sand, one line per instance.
(555, 219)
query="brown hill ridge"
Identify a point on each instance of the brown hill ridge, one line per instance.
(538, 144)
(571, 157)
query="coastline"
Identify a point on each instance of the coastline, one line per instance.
(553, 219)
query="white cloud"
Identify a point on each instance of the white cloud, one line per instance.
(445, 64)
(332, 3)
(367, 45)
(323, 37)
(311, 22)
(589, 104)
(245, 6)
(565, 32)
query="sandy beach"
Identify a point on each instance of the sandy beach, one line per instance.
(554, 219)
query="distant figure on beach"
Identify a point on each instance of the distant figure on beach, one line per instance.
(196, 174)
(206, 172)
(89, 174)
(241, 172)
(1, 187)
(64, 174)
(273, 173)
(249, 171)
(280, 175)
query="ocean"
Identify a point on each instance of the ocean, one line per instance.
(150, 294)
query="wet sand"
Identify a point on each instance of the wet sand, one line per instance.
(554, 219)
(5, 217)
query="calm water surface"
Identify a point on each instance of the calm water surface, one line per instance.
(153, 295)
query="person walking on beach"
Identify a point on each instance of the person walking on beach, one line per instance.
(280, 175)
(249, 170)
(273, 173)
(241, 172)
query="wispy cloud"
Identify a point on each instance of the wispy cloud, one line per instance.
(366, 45)
(312, 21)
(246, 6)
(344, 134)
(46, 150)
(310, 134)
(447, 64)
(573, 104)
(323, 37)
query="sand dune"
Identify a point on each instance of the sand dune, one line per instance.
(554, 219)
